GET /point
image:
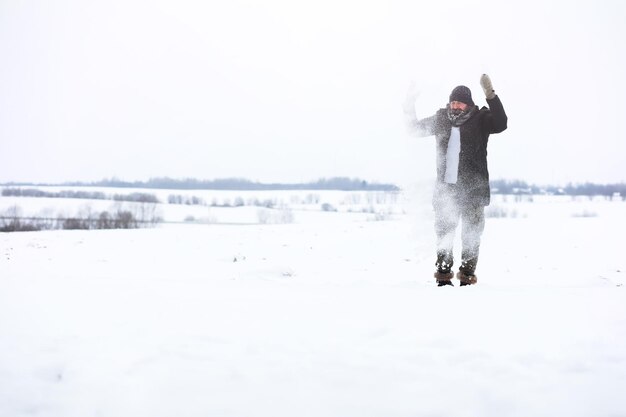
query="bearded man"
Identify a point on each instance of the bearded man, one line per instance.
(462, 191)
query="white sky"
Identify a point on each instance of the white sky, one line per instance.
(293, 91)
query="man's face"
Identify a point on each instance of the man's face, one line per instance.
(457, 105)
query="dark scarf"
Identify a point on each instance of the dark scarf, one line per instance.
(457, 118)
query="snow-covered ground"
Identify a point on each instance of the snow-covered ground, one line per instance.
(331, 314)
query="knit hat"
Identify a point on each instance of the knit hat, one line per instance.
(462, 94)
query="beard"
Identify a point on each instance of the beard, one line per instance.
(456, 112)
(458, 116)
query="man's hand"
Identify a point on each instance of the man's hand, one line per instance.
(409, 102)
(485, 83)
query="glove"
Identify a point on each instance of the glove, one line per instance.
(485, 83)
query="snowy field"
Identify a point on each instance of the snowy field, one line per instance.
(319, 313)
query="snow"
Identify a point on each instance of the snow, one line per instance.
(331, 315)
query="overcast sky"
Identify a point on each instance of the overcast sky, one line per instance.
(293, 91)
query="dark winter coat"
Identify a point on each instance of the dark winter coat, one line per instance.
(472, 186)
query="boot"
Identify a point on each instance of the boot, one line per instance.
(444, 264)
(444, 278)
(466, 271)
(466, 278)
(444, 261)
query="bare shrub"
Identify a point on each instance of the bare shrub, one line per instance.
(285, 216)
(585, 214)
(147, 214)
(76, 224)
(104, 221)
(263, 216)
(175, 199)
(312, 199)
(12, 221)
(497, 212)
(379, 216)
(270, 216)
(125, 220)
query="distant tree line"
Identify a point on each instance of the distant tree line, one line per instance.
(31, 192)
(586, 189)
(337, 183)
(88, 195)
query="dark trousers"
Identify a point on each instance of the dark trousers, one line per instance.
(449, 210)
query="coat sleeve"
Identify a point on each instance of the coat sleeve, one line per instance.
(422, 127)
(496, 120)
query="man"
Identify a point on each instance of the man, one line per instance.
(462, 189)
